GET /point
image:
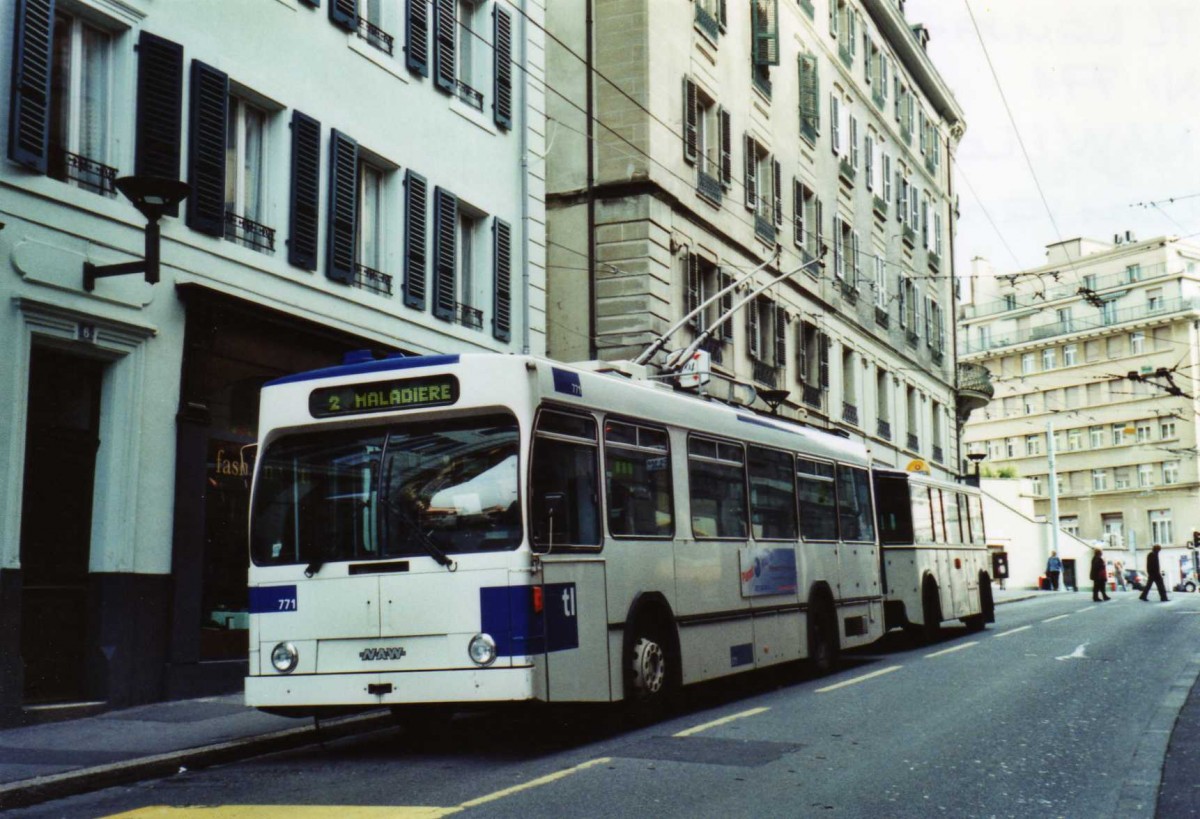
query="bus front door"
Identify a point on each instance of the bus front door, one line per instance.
(575, 661)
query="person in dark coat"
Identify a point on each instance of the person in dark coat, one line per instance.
(1155, 577)
(1099, 578)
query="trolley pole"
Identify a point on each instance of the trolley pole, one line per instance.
(1053, 479)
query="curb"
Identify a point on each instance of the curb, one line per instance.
(71, 783)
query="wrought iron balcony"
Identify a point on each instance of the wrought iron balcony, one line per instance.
(469, 316)
(766, 374)
(880, 205)
(881, 316)
(884, 429)
(911, 337)
(937, 356)
(849, 413)
(975, 388)
(913, 442)
(707, 23)
(249, 233)
(469, 95)
(370, 279)
(849, 290)
(375, 36)
(846, 170)
(762, 80)
(764, 229)
(938, 455)
(813, 396)
(709, 186)
(808, 130)
(910, 236)
(85, 172)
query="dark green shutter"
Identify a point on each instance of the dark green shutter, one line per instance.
(780, 336)
(689, 121)
(726, 147)
(751, 172)
(777, 191)
(502, 83)
(797, 213)
(343, 210)
(691, 292)
(444, 25)
(344, 14)
(29, 106)
(810, 95)
(765, 22)
(209, 108)
(303, 219)
(801, 352)
(752, 328)
(823, 354)
(726, 306)
(416, 37)
(445, 253)
(159, 108)
(416, 197)
(502, 292)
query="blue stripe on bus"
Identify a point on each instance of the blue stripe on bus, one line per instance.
(381, 365)
(271, 599)
(741, 655)
(506, 613)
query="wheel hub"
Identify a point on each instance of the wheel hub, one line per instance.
(649, 667)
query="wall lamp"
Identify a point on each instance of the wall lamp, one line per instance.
(152, 196)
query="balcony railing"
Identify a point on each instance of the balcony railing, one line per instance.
(469, 95)
(764, 229)
(849, 290)
(880, 205)
(469, 316)
(938, 455)
(709, 186)
(375, 36)
(762, 81)
(1062, 291)
(249, 233)
(813, 396)
(1077, 325)
(911, 337)
(87, 173)
(846, 170)
(912, 442)
(910, 236)
(370, 279)
(849, 413)
(934, 260)
(766, 374)
(707, 23)
(881, 316)
(884, 429)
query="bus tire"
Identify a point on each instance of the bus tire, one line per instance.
(651, 670)
(823, 645)
(987, 603)
(931, 611)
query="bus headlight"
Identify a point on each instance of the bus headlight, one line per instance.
(482, 649)
(284, 657)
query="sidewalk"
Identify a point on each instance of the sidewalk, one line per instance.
(39, 763)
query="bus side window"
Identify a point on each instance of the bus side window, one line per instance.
(954, 533)
(637, 477)
(894, 511)
(716, 489)
(818, 500)
(922, 514)
(565, 503)
(772, 494)
(854, 504)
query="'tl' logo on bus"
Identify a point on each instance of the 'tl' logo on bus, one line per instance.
(568, 598)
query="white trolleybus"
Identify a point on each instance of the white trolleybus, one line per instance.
(486, 528)
(936, 562)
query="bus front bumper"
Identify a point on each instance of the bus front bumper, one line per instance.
(397, 688)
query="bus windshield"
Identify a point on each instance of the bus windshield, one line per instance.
(388, 492)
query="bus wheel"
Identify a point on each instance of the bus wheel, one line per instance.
(987, 606)
(931, 611)
(822, 640)
(648, 676)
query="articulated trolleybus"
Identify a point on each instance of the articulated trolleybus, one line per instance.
(484, 528)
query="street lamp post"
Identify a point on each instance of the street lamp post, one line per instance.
(152, 196)
(977, 458)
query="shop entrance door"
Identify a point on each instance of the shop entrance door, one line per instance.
(56, 521)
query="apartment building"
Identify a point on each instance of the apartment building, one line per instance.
(689, 142)
(1096, 352)
(363, 176)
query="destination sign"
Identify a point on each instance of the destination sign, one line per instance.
(383, 396)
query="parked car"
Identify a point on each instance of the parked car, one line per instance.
(1136, 579)
(1188, 584)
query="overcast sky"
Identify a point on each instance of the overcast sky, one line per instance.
(1106, 97)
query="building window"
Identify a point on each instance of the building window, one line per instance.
(1048, 359)
(1133, 273)
(1144, 431)
(245, 176)
(1154, 299)
(995, 449)
(1170, 472)
(1070, 355)
(80, 90)
(808, 223)
(472, 283)
(370, 221)
(810, 99)
(1166, 430)
(1118, 434)
(470, 47)
(1095, 437)
(1010, 447)
(1145, 475)
(1074, 440)
(1028, 363)
(1099, 480)
(1160, 527)
(1121, 477)
(1035, 485)
(1069, 524)
(1033, 444)
(881, 294)
(1137, 343)
(371, 25)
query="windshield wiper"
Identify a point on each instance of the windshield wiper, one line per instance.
(423, 539)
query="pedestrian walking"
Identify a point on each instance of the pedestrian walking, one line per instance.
(1119, 571)
(1053, 570)
(1099, 578)
(1155, 576)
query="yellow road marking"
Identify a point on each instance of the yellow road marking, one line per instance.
(863, 678)
(287, 812)
(533, 783)
(721, 721)
(1013, 631)
(952, 649)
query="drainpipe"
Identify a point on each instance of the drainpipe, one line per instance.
(591, 186)
(524, 147)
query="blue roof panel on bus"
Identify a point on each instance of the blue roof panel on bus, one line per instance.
(379, 365)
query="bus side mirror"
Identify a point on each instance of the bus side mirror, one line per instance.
(554, 511)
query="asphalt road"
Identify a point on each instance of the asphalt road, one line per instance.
(1061, 708)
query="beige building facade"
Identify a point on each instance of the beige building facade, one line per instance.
(688, 142)
(1097, 353)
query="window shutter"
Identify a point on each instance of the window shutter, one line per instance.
(689, 121)
(752, 328)
(780, 336)
(29, 112)
(444, 24)
(833, 17)
(726, 147)
(159, 108)
(751, 173)
(856, 267)
(503, 73)
(810, 94)
(502, 295)
(416, 37)
(869, 161)
(839, 265)
(206, 149)
(416, 196)
(798, 213)
(691, 295)
(902, 301)
(816, 227)
(305, 193)
(766, 32)
(343, 208)
(723, 14)
(777, 191)
(823, 353)
(726, 306)
(835, 125)
(344, 14)
(445, 253)
(801, 352)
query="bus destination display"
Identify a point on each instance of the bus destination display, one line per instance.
(382, 396)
